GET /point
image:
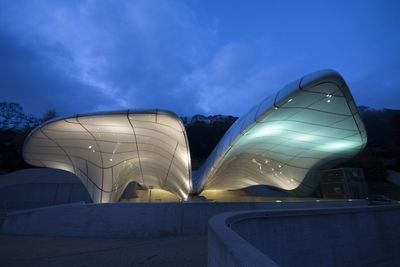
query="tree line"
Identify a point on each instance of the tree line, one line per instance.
(15, 125)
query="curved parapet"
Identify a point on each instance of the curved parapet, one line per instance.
(284, 141)
(108, 150)
(306, 237)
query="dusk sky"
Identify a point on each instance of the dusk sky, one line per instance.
(206, 57)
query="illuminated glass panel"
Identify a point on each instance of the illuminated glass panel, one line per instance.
(109, 150)
(284, 141)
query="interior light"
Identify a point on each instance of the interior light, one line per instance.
(110, 159)
(339, 145)
(267, 131)
(290, 100)
(304, 137)
(328, 101)
(90, 147)
(93, 150)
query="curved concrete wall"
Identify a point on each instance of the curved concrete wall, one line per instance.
(34, 188)
(356, 236)
(139, 220)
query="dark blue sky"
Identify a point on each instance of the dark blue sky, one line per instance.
(208, 57)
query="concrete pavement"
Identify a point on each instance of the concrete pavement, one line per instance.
(64, 251)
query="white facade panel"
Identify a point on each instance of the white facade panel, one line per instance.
(109, 150)
(312, 124)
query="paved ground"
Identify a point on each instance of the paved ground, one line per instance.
(62, 251)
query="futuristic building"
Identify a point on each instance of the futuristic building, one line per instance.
(283, 142)
(109, 150)
(310, 125)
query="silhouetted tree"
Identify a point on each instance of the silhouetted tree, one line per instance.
(11, 115)
(50, 114)
(204, 134)
(15, 126)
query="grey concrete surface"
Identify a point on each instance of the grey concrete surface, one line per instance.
(40, 187)
(134, 220)
(352, 236)
(226, 248)
(61, 251)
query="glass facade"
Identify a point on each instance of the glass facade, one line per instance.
(284, 142)
(107, 151)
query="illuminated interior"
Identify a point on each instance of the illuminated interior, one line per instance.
(153, 195)
(283, 142)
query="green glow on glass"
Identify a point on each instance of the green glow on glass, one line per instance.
(339, 146)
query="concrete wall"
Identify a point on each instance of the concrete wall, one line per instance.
(34, 195)
(133, 220)
(354, 236)
(33, 188)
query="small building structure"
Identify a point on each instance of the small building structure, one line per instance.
(343, 183)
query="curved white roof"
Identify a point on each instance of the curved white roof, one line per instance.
(108, 150)
(284, 141)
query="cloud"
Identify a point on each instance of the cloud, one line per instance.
(84, 56)
(37, 82)
(237, 77)
(379, 88)
(131, 54)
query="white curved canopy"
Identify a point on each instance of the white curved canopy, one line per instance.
(284, 141)
(109, 150)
